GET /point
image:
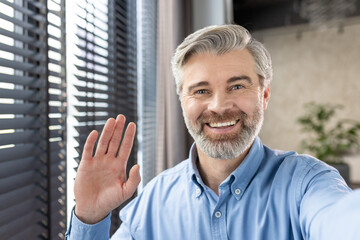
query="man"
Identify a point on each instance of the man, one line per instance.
(232, 186)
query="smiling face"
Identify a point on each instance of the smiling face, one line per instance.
(223, 102)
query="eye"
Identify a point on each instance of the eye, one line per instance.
(201, 91)
(237, 87)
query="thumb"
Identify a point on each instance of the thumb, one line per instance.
(133, 180)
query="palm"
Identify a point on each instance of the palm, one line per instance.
(101, 183)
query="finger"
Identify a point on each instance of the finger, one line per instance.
(116, 137)
(127, 143)
(89, 145)
(133, 181)
(105, 137)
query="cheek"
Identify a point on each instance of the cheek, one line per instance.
(192, 109)
(249, 104)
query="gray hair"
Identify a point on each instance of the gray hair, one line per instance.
(220, 40)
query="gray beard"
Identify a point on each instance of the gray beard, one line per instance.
(231, 148)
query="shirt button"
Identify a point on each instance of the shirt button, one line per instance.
(218, 214)
(198, 191)
(237, 191)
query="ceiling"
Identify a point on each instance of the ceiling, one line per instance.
(264, 14)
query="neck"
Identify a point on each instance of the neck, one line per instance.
(214, 171)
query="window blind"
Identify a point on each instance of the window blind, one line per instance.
(105, 76)
(124, 40)
(32, 120)
(147, 89)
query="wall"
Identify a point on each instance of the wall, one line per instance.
(312, 65)
(208, 12)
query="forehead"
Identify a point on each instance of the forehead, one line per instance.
(208, 66)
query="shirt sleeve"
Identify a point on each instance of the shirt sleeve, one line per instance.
(342, 221)
(329, 209)
(79, 230)
(123, 233)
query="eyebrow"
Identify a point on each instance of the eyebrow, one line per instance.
(239, 78)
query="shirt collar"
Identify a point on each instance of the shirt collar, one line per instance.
(194, 172)
(240, 177)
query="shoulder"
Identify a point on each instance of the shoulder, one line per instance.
(177, 169)
(158, 190)
(170, 176)
(292, 161)
(299, 169)
(308, 165)
(308, 172)
(155, 195)
(300, 172)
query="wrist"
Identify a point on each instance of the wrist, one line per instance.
(89, 217)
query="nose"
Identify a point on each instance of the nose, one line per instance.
(219, 103)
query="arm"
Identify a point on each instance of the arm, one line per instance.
(101, 184)
(342, 221)
(328, 209)
(80, 230)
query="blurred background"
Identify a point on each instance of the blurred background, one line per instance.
(67, 66)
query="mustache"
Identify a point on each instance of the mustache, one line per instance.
(207, 117)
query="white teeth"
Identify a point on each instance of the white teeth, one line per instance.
(224, 124)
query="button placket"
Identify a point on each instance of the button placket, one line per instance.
(219, 229)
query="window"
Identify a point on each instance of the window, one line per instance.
(147, 41)
(102, 73)
(32, 120)
(48, 105)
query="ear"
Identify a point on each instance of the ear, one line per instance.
(266, 96)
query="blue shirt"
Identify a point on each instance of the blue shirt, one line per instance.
(271, 195)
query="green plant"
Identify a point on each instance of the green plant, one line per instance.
(328, 139)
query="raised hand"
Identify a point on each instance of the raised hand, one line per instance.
(101, 184)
